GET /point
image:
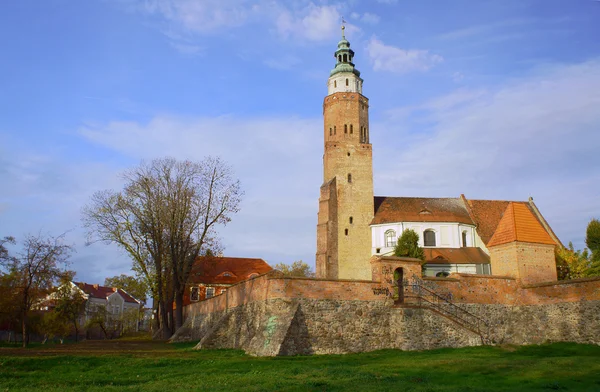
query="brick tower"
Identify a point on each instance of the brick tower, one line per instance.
(346, 199)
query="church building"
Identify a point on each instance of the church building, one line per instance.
(459, 235)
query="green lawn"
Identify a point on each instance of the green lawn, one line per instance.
(150, 366)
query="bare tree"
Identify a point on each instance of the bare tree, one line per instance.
(165, 216)
(35, 270)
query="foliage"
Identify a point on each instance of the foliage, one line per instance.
(571, 263)
(150, 366)
(592, 240)
(298, 268)
(136, 286)
(69, 304)
(165, 217)
(55, 326)
(408, 245)
(34, 271)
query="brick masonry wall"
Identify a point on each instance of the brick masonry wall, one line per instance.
(271, 315)
(529, 262)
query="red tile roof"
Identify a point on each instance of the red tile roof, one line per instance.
(103, 292)
(420, 209)
(485, 215)
(212, 270)
(519, 224)
(470, 255)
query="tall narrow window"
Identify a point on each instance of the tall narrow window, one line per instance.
(345, 128)
(346, 81)
(390, 238)
(346, 231)
(334, 83)
(194, 295)
(334, 129)
(351, 130)
(330, 131)
(429, 238)
(349, 177)
(464, 239)
(351, 220)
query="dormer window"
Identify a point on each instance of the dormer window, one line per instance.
(227, 274)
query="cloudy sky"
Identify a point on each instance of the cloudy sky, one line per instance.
(493, 99)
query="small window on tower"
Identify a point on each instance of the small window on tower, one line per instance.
(349, 177)
(334, 83)
(330, 131)
(351, 220)
(351, 128)
(346, 81)
(334, 129)
(346, 231)
(345, 128)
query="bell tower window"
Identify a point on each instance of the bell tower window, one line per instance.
(346, 81)
(345, 128)
(351, 130)
(349, 177)
(334, 83)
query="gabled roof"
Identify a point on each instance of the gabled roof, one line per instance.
(212, 269)
(420, 209)
(519, 224)
(103, 292)
(470, 255)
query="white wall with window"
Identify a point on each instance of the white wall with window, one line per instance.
(439, 234)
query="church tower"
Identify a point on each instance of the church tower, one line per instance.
(346, 198)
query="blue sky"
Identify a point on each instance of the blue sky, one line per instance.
(493, 99)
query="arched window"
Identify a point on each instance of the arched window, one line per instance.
(351, 129)
(345, 58)
(349, 177)
(464, 239)
(346, 81)
(390, 238)
(334, 83)
(429, 238)
(340, 58)
(345, 128)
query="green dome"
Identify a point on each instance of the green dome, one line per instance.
(344, 67)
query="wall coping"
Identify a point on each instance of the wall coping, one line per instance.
(320, 279)
(562, 282)
(462, 275)
(436, 279)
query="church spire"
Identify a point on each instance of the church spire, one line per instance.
(344, 55)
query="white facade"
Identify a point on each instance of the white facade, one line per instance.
(447, 235)
(346, 82)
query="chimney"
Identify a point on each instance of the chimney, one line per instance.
(114, 289)
(95, 286)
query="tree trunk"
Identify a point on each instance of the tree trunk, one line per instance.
(178, 310)
(24, 329)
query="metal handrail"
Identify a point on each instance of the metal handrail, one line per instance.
(438, 302)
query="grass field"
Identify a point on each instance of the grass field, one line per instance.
(137, 365)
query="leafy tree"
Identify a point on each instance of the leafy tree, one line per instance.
(298, 268)
(164, 218)
(136, 286)
(9, 301)
(571, 263)
(55, 326)
(408, 245)
(592, 240)
(35, 270)
(69, 304)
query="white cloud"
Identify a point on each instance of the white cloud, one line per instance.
(314, 23)
(536, 136)
(367, 17)
(393, 59)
